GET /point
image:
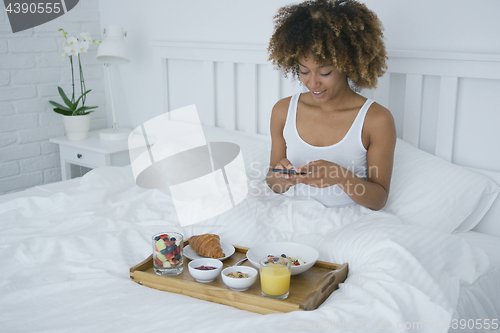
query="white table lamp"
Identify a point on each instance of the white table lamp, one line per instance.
(113, 50)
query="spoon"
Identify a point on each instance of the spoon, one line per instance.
(241, 261)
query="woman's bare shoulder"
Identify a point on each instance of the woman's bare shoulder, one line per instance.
(379, 116)
(380, 124)
(280, 111)
(282, 105)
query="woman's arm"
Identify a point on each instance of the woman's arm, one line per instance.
(279, 182)
(379, 133)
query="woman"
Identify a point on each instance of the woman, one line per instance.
(342, 142)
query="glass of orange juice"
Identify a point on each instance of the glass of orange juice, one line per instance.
(275, 273)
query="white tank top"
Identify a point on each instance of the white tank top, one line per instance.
(348, 153)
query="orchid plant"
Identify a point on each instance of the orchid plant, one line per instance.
(73, 46)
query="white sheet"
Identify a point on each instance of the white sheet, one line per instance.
(481, 300)
(488, 243)
(65, 258)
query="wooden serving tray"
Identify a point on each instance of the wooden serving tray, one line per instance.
(308, 290)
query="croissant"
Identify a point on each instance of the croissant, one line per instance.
(207, 245)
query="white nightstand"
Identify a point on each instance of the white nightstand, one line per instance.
(90, 153)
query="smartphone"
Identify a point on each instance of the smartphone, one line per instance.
(290, 172)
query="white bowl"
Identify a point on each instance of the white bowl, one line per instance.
(239, 284)
(308, 254)
(202, 275)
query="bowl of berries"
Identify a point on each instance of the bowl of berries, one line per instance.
(205, 270)
(302, 256)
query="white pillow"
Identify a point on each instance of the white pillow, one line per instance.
(256, 149)
(431, 192)
(489, 223)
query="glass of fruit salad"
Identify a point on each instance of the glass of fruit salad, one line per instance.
(275, 273)
(167, 253)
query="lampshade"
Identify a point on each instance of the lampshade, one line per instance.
(113, 50)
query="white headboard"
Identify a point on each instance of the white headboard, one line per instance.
(234, 84)
(443, 103)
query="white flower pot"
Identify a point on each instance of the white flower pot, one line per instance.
(77, 127)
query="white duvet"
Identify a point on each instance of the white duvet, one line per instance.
(65, 257)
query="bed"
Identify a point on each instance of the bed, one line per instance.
(428, 262)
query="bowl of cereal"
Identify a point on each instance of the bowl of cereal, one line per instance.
(239, 278)
(302, 256)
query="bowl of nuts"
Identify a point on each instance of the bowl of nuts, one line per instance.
(239, 278)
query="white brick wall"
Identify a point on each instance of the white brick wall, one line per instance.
(31, 68)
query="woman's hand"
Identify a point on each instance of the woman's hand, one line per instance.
(280, 182)
(321, 174)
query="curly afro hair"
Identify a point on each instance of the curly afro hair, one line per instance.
(342, 32)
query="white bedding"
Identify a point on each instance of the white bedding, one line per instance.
(66, 251)
(481, 299)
